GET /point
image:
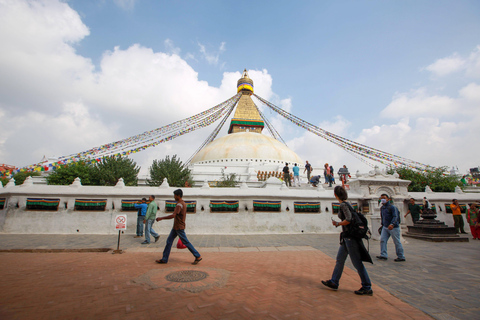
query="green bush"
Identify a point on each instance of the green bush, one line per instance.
(110, 169)
(64, 175)
(103, 173)
(437, 179)
(171, 168)
(20, 177)
(227, 180)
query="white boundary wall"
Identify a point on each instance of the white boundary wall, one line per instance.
(365, 190)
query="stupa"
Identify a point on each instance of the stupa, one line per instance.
(245, 150)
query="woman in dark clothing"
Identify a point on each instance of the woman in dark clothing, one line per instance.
(348, 246)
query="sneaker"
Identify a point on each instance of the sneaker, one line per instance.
(399, 259)
(330, 284)
(381, 258)
(364, 292)
(145, 242)
(157, 238)
(160, 261)
(138, 237)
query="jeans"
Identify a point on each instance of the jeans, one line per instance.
(149, 230)
(395, 233)
(350, 247)
(171, 237)
(140, 225)
(288, 182)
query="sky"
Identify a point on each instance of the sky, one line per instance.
(400, 76)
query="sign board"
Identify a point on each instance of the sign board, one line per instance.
(121, 222)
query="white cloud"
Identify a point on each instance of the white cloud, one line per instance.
(419, 103)
(190, 56)
(432, 129)
(171, 48)
(473, 69)
(212, 57)
(57, 103)
(455, 63)
(37, 57)
(445, 66)
(471, 93)
(38, 133)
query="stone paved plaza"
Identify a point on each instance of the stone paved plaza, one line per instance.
(249, 277)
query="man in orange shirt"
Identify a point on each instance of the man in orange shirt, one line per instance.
(457, 216)
(179, 215)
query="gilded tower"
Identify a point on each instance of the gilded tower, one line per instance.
(246, 118)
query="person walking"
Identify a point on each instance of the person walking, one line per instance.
(150, 220)
(296, 176)
(332, 175)
(414, 210)
(343, 173)
(390, 227)
(179, 215)
(142, 211)
(457, 216)
(308, 169)
(472, 217)
(286, 175)
(328, 175)
(349, 246)
(325, 166)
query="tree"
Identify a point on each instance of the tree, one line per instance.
(20, 177)
(110, 169)
(173, 169)
(65, 175)
(436, 179)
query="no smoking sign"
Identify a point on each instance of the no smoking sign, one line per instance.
(121, 222)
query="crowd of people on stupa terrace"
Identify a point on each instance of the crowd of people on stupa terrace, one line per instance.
(292, 177)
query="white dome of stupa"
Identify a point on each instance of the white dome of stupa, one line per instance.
(246, 146)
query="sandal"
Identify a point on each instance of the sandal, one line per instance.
(160, 261)
(197, 260)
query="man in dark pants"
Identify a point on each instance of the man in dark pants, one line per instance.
(286, 175)
(142, 211)
(308, 169)
(414, 210)
(457, 216)
(179, 215)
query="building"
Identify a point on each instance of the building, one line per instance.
(245, 151)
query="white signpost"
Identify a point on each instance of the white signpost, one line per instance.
(121, 222)
(120, 225)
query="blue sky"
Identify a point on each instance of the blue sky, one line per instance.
(401, 76)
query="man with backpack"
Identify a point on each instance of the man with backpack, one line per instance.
(390, 227)
(351, 244)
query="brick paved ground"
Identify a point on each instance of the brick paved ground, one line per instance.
(260, 285)
(441, 279)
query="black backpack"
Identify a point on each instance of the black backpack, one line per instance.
(358, 227)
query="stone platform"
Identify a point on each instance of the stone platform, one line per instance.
(430, 229)
(269, 277)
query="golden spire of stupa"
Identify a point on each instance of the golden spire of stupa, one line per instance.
(246, 118)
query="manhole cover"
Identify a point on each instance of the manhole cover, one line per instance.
(186, 276)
